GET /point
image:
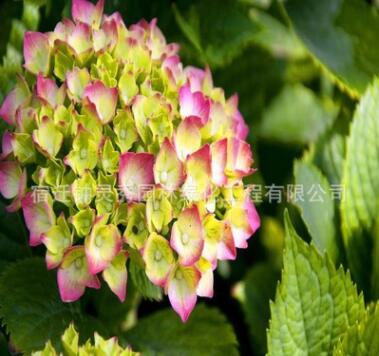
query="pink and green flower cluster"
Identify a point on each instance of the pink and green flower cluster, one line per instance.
(70, 344)
(113, 146)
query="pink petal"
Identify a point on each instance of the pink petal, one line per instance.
(187, 236)
(182, 290)
(39, 216)
(136, 175)
(240, 158)
(16, 203)
(37, 52)
(15, 98)
(205, 287)
(219, 156)
(239, 127)
(198, 77)
(103, 99)
(10, 175)
(80, 39)
(47, 90)
(226, 249)
(73, 275)
(116, 275)
(102, 246)
(6, 145)
(86, 12)
(64, 29)
(193, 104)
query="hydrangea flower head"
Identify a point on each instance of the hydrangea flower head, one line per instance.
(113, 146)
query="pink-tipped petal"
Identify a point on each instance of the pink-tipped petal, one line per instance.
(219, 156)
(239, 158)
(73, 275)
(16, 98)
(86, 12)
(80, 39)
(21, 191)
(47, 90)
(116, 275)
(6, 145)
(103, 99)
(10, 175)
(198, 78)
(238, 126)
(187, 137)
(37, 52)
(181, 288)
(136, 175)
(197, 186)
(226, 249)
(38, 214)
(244, 221)
(168, 169)
(205, 287)
(102, 246)
(193, 104)
(187, 236)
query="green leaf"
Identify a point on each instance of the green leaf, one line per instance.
(31, 309)
(315, 304)
(359, 208)
(296, 116)
(342, 35)
(316, 206)
(258, 289)
(361, 339)
(218, 33)
(205, 333)
(140, 281)
(275, 36)
(329, 157)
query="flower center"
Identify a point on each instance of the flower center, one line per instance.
(83, 153)
(78, 263)
(185, 238)
(123, 134)
(157, 256)
(179, 275)
(164, 177)
(98, 240)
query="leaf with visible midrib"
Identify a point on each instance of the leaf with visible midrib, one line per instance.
(315, 304)
(359, 208)
(205, 333)
(342, 35)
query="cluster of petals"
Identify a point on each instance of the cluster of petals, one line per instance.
(107, 107)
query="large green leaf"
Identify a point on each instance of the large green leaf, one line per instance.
(342, 35)
(296, 116)
(359, 208)
(315, 304)
(361, 339)
(217, 33)
(31, 309)
(316, 205)
(205, 333)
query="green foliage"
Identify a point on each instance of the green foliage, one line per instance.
(31, 309)
(362, 338)
(359, 208)
(296, 116)
(315, 304)
(205, 333)
(342, 36)
(316, 205)
(218, 33)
